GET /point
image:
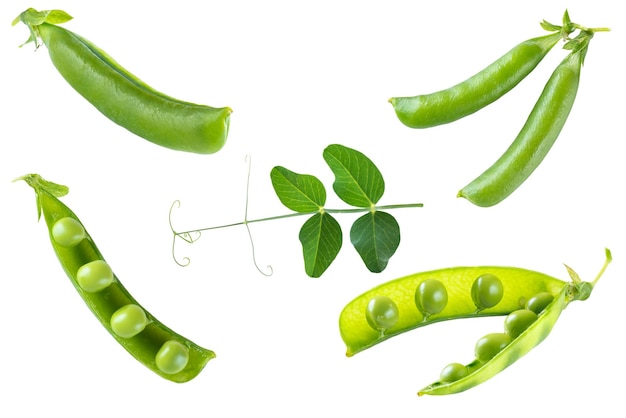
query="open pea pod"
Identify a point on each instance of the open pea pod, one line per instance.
(532, 302)
(518, 345)
(530, 338)
(411, 301)
(162, 350)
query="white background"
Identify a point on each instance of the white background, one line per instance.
(300, 76)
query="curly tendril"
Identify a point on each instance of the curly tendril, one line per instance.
(189, 236)
(194, 235)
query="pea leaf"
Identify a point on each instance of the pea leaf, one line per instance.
(358, 182)
(298, 192)
(321, 240)
(376, 237)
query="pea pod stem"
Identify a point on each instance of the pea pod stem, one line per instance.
(124, 98)
(153, 345)
(522, 344)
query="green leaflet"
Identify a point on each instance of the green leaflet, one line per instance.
(321, 240)
(376, 237)
(359, 183)
(298, 192)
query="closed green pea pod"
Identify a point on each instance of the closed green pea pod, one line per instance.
(134, 328)
(480, 90)
(124, 98)
(532, 144)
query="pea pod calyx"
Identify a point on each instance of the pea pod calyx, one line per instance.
(33, 18)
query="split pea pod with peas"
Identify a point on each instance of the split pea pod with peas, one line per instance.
(160, 349)
(531, 302)
(121, 96)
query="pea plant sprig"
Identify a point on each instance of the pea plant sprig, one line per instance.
(358, 182)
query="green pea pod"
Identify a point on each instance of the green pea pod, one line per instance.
(124, 98)
(537, 136)
(535, 333)
(518, 285)
(162, 350)
(478, 91)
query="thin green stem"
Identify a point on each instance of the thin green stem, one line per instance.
(608, 260)
(593, 30)
(295, 214)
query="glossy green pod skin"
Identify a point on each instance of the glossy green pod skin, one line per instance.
(520, 346)
(532, 144)
(128, 101)
(144, 346)
(478, 91)
(519, 285)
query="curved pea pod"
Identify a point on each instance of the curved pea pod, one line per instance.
(124, 98)
(534, 141)
(534, 334)
(159, 348)
(518, 285)
(478, 91)
(530, 338)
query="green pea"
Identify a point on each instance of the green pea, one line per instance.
(382, 313)
(490, 345)
(453, 372)
(128, 321)
(516, 322)
(95, 276)
(487, 291)
(172, 357)
(539, 302)
(68, 232)
(431, 297)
